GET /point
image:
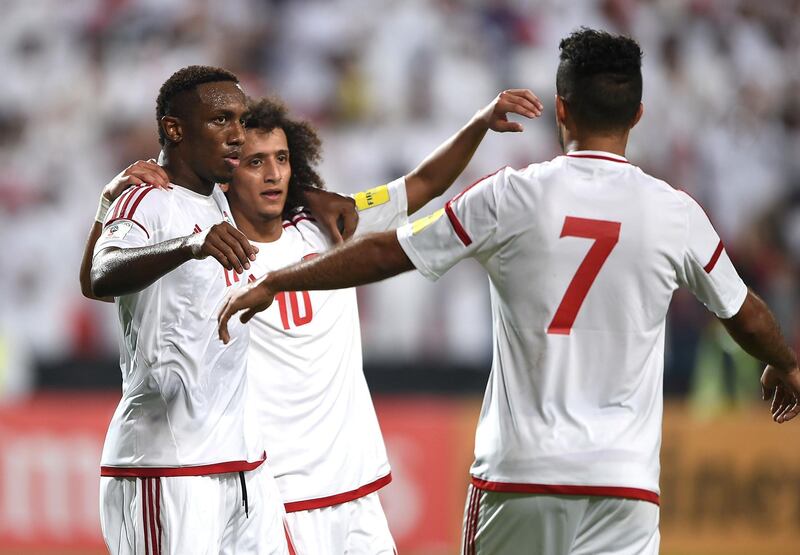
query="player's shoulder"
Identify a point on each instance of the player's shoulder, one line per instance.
(302, 225)
(138, 200)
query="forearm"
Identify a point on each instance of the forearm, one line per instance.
(755, 329)
(441, 168)
(116, 272)
(368, 259)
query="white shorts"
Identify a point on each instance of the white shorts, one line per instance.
(356, 527)
(530, 524)
(201, 515)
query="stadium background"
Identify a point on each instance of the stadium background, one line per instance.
(386, 81)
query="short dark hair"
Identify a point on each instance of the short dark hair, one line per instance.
(305, 147)
(600, 78)
(185, 79)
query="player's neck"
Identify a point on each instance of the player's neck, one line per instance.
(257, 229)
(181, 174)
(615, 144)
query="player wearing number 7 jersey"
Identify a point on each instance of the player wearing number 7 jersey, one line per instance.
(583, 254)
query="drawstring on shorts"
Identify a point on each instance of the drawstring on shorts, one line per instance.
(244, 495)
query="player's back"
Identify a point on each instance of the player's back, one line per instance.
(588, 252)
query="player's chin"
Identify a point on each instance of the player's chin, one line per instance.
(223, 174)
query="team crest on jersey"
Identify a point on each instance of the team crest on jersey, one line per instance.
(118, 230)
(422, 223)
(373, 197)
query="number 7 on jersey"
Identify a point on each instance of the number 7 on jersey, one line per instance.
(605, 235)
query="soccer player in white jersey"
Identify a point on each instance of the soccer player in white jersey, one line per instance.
(323, 438)
(583, 254)
(183, 462)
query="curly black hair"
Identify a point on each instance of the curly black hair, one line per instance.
(600, 78)
(305, 147)
(185, 79)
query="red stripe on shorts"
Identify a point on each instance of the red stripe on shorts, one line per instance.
(153, 538)
(144, 516)
(289, 542)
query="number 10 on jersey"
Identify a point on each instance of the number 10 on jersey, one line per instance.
(605, 235)
(288, 303)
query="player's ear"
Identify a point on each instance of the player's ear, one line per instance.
(638, 115)
(172, 128)
(561, 110)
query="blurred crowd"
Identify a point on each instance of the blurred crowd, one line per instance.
(385, 81)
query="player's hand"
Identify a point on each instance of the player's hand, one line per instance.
(225, 243)
(141, 171)
(252, 299)
(511, 101)
(336, 213)
(783, 388)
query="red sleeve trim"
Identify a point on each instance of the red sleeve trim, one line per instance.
(339, 498)
(122, 203)
(127, 220)
(135, 205)
(714, 257)
(451, 215)
(457, 227)
(169, 471)
(549, 489)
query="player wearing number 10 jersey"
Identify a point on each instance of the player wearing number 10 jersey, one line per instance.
(304, 361)
(583, 254)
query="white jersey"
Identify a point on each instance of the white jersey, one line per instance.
(583, 254)
(322, 436)
(183, 409)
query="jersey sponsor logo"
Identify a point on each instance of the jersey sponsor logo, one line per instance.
(422, 223)
(373, 197)
(118, 230)
(196, 229)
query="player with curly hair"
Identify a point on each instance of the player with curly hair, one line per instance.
(324, 441)
(583, 254)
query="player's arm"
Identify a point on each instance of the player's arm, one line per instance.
(138, 173)
(441, 168)
(708, 272)
(365, 260)
(336, 213)
(120, 271)
(755, 329)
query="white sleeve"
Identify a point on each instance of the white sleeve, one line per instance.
(706, 270)
(382, 208)
(131, 220)
(465, 227)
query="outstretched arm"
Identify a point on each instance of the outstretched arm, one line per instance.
(438, 171)
(754, 328)
(136, 174)
(368, 259)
